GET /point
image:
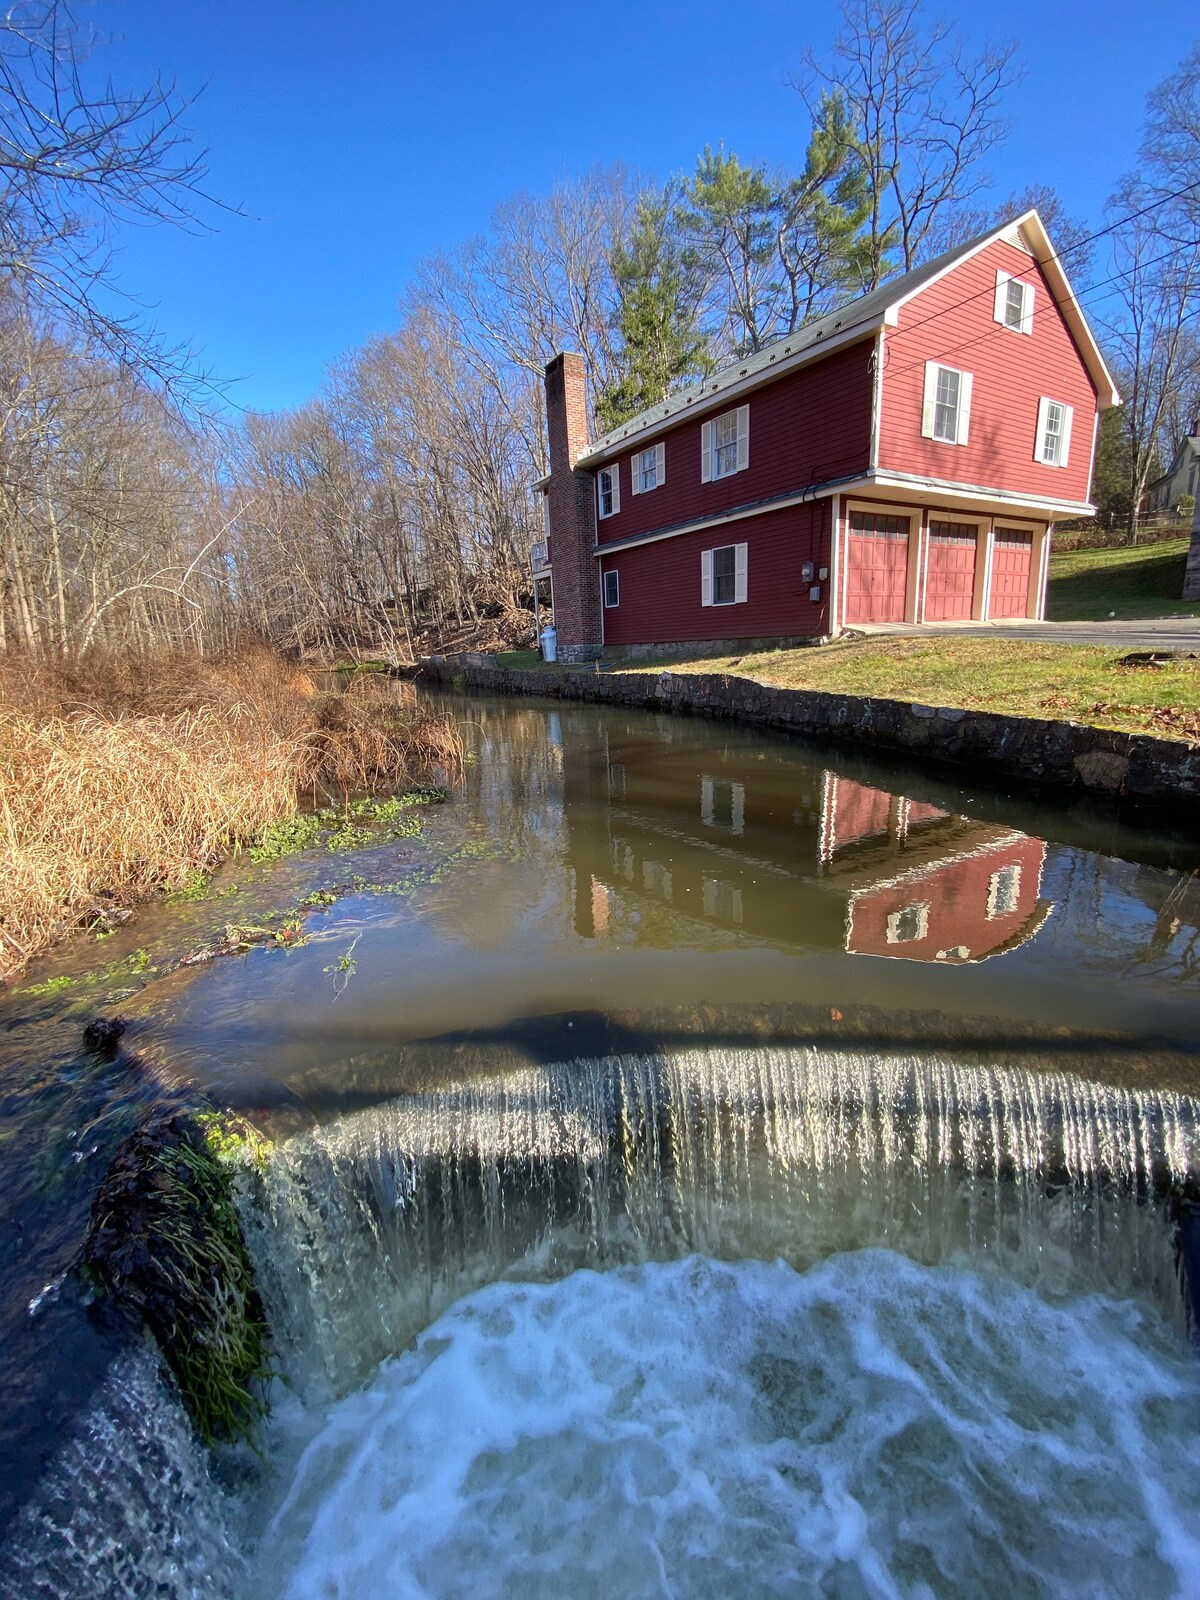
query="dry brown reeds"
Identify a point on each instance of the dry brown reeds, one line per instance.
(121, 775)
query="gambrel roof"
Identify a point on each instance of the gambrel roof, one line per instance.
(880, 308)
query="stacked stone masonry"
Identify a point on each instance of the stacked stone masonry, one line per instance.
(1063, 755)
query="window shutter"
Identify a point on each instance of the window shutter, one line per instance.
(1001, 306)
(635, 472)
(615, 470)
(660, 464)
(1027, 310)
(706, 577)
(1040, 435)
(1065, 453)
(965, 384)
(931, 377)
(739, 568)
(706, 458)
(743, 450)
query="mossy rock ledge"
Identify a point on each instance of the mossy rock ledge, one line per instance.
(165, 1249)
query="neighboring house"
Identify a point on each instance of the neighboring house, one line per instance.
(1182, 477)
(900, 460)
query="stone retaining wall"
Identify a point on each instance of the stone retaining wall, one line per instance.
(1065, 755)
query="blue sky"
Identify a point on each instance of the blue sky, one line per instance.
(361, 136)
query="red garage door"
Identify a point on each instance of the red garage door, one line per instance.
(950, 581)
(876, 568)
(1011, 560)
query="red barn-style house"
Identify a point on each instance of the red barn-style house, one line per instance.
(902, 459)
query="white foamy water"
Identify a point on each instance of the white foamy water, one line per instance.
(370, 1227)
(870, 1427)
(129, 1510)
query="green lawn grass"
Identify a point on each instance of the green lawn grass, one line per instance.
(1081, 682)
(1142, 581)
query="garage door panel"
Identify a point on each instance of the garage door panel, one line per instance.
(1012, 560)
(877, 568)
(950, 576)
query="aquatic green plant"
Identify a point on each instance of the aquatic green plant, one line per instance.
(50, 986)
(286, 837)
(195, 886)
(232, 1140)
(165, 1245)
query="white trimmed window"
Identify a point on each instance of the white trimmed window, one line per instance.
(1053, 447)
(908, 924)
(648, 469)
(723, 804)
(725, 445)
(1014, 303)
(1004, 891)
(946, 409)
(723, 575)
(612, 590)
(608, 491)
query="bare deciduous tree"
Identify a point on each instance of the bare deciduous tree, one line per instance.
(923, 115)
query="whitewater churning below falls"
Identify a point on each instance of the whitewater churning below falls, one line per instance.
(371, 1226)
(764, 1320)
(868, 1428)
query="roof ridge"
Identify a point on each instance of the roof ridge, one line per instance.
(882, 296)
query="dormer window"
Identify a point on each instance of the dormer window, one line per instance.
(608, 491)
(648, 469)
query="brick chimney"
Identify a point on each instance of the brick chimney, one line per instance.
(572, 499)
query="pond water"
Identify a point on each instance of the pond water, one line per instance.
(697, 1161)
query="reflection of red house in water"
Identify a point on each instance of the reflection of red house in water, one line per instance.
(925, 886)
(762, 848)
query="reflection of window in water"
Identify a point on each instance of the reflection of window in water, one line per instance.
(722, 900)
(723, 804)
(624, 863)
(616, 780)
(657, 879)
(907, 924)
(1004, 890)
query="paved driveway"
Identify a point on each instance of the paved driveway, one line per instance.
(1166, 633)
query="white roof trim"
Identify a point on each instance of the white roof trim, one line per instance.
(1036, 243)
(842, 327)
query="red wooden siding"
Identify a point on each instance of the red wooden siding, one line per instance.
(809, 427)
(950, 580)
(961, 912)
(855, 812)
(1010, 573)
(660, 582)
(876, 567)
(952, 322)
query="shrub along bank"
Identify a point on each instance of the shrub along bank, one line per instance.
(120, 776)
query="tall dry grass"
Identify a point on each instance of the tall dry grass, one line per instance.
(123, 775)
